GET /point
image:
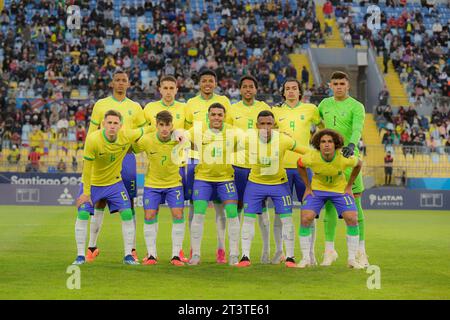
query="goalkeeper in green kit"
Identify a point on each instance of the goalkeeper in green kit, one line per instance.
(345, 115)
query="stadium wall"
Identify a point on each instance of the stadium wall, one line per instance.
(429, 183)
(62, 190)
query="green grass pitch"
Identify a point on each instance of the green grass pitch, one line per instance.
(37, 244)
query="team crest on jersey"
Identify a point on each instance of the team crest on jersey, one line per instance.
(147, 201)
(130, 112)
(339, 173)
(302, 117)
(178, 116)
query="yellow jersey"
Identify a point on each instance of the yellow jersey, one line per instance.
(132, 113)
(216, 150)
(163, 169)
(328, 175)
(244, 117)
(107, 156)
(176, 109)
(296, 122)
(266, 158)
(197, 109)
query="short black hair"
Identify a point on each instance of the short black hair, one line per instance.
(265, 113)
(207, 72)
(338, 75)
(119, 71)
(217, 106)
(248, 77)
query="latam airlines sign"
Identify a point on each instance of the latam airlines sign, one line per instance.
(406, 199)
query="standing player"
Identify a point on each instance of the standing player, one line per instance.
(268, 179)
(214, 174)
(168, 90)
(243, 116)
(104, 152)
(294, 118)
(197, 114)
(132, 117)
(345, 115)
(328, 184)
(162, 181)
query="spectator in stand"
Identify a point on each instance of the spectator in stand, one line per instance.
(403, 179)
(388, 168)
(305, 76)
(327, 9)
(383, 96)
(14, 156)
(434, 145)
(74, 164)
(61, 166)
(34, 161)
(36, 138)
(388, 138)
(80, 136)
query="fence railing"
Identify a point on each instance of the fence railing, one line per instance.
(416, 161)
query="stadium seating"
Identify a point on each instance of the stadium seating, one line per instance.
(402, 93)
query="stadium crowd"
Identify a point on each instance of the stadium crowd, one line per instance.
(413, 132)
(41, 58)
(420, 55)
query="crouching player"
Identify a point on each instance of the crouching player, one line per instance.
(162, 181)
(104, 151)
(328, 183)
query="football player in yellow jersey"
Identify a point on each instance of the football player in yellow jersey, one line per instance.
(244, 116)
(104, 152)
(344, 114)
(294, 118)
(214, 175)
(267, 179)
(168, 90)
(162, 181)
(329, 184)
(197, 115)
(133, 117)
